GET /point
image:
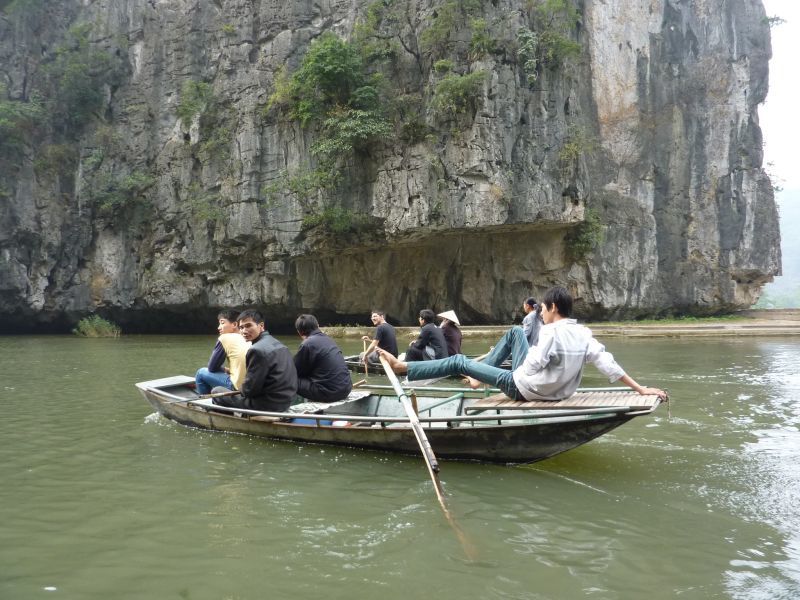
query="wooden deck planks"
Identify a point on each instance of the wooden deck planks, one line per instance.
(577, 400)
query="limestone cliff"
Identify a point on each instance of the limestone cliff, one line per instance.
(611, 146)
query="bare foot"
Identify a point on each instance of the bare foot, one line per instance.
(472, 382)
(397, 366)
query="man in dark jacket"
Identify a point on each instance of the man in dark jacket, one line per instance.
(271, 380)
(322, 374)
(431, 343)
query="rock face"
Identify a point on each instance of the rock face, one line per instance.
(629, 171)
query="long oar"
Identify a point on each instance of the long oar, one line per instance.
(220, 394)
(419, 433)
(430, 458)
(364, 346)
(204, 396)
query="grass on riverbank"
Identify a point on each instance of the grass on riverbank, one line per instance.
(96, 327)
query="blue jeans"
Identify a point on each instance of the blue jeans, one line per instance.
(513, 344)
(204, 380)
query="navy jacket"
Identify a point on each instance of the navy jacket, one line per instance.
(431, 335)
(319, 360)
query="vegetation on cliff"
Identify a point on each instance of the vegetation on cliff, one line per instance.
(153, 157)
(354, 98)
(60, 114)
(96, 326)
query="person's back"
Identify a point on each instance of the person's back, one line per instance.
(532, 322)
(452, 333)
(430, 344)
(452, 338)
(322, 374)
(436, 341)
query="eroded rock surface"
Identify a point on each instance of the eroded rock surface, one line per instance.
(652, 132)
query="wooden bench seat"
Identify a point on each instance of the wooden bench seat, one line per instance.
(592, 399)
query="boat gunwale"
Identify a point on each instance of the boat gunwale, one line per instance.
(502, 440)
(543, 415)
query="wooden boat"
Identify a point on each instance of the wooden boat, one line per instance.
(354, 364)
(459, 423)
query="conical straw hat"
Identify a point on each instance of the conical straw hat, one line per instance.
(450, 316)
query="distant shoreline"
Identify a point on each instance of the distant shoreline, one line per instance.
(780, 322)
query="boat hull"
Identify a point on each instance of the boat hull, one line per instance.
(525, 442)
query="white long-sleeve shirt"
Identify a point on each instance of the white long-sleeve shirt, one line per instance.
(553, 368)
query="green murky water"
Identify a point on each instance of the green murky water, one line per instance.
(101, 499)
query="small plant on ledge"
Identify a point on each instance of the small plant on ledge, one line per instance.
(96, 326)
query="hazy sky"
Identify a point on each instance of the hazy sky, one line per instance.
(780, 121)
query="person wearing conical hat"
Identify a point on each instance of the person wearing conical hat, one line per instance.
(452, 334)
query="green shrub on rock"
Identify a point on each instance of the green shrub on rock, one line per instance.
(455, 94)
(585, 236)
(96, 326)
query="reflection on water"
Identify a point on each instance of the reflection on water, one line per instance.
(771, 380)
(100, 498)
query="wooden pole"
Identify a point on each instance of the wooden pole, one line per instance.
(430, 459)
(204, 396)
(364, 345)
(220, 394)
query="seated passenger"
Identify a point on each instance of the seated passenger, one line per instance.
(551, 370)
(322, 374)
(231, 346)
(270, 383)
(532, 322)
(452, 334)
(384, 338)
(430, 344)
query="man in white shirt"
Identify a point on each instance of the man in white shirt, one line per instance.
(551, 370)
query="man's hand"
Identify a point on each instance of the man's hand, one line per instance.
(647, 391)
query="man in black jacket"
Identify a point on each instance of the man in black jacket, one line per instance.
(271, 380)
(322, 374)
(431, 343)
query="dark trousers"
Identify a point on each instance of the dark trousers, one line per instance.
(413, 353)
(315, 392)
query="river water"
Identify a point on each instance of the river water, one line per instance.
(100, 498)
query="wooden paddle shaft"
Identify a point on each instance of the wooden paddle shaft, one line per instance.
(220, 394)
(416, 426)
(205, 396)
(364, 346)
